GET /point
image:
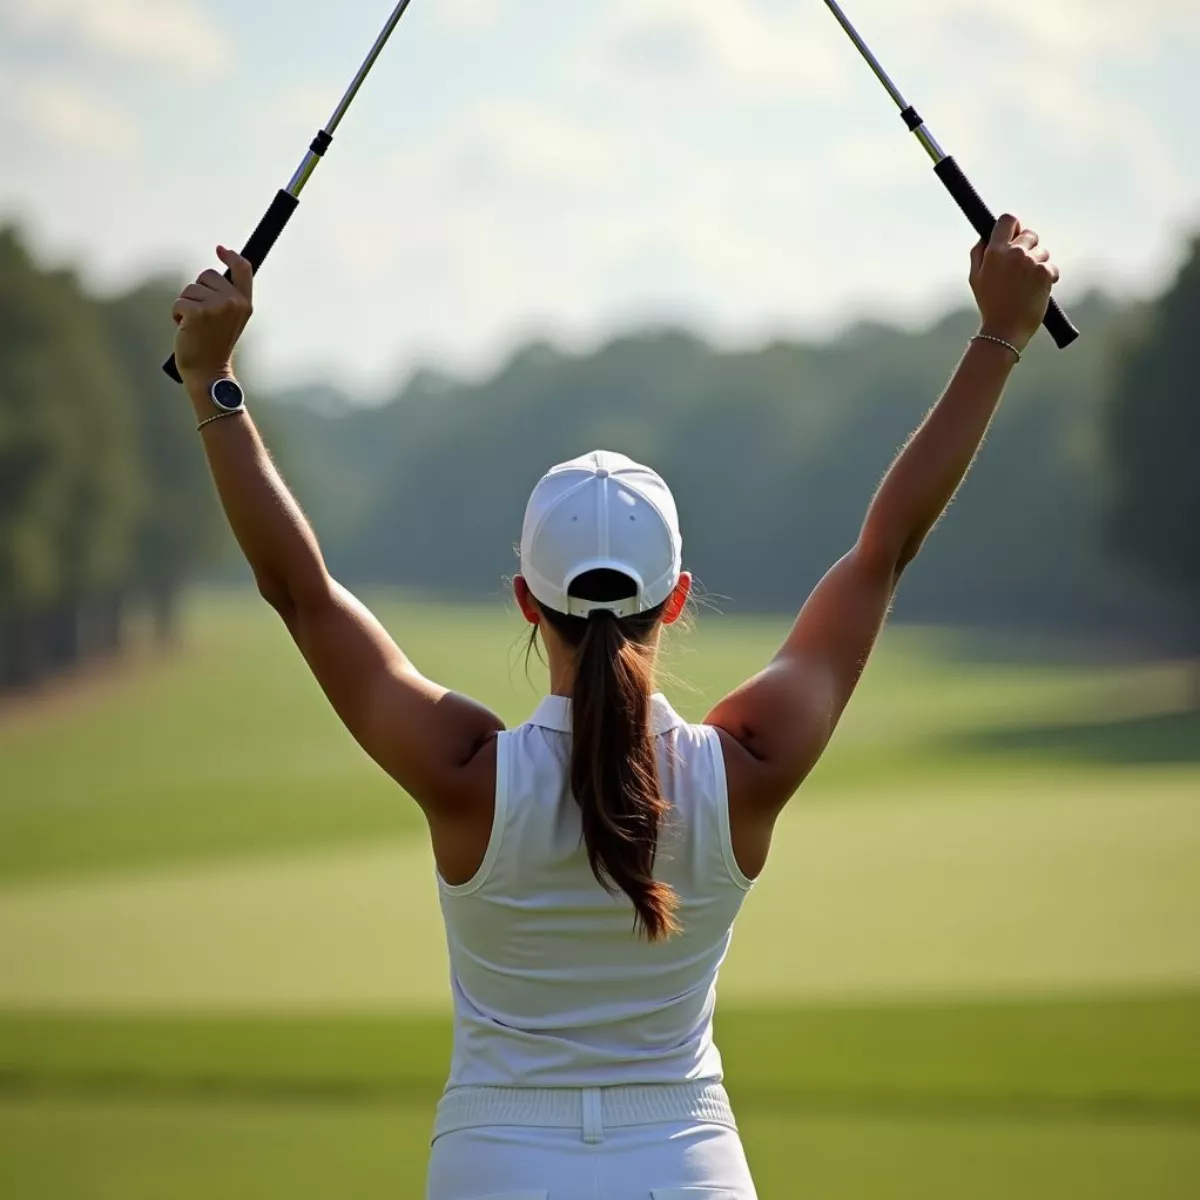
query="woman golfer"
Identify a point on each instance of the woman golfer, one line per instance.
(591, 862)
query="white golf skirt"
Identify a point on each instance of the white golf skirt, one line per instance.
(671, 1142)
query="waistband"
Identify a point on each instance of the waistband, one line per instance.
(589, 1109)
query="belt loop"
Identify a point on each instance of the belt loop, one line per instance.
(593, 1116)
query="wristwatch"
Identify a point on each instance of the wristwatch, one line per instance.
(227, 395)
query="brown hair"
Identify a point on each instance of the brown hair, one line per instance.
(614, 761)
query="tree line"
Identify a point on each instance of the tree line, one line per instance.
(1081, 515)
(105, 505)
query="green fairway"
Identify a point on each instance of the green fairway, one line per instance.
(196, 1151)
(971, 969)
(231, 748)
(1028, 888)
(1096, 1057)
(1078, 1099)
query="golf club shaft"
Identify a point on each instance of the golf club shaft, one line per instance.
(1057, 323)
(287, 200)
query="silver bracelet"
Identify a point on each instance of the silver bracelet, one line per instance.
(987, 337)
(233, 412)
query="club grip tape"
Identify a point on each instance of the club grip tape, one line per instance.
(257, 248)
(1057, 323)
(269, 228)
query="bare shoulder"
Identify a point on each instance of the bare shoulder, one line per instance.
(754, 797)
(773, 728)
(781, 719)
(460, 816)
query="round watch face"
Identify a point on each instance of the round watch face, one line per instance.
(227, 394)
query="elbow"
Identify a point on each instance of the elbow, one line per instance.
(277, 595)
(886, 552)
(882, 556)
(293, 600)
(908, 552)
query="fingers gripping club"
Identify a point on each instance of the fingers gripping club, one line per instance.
(256, 249)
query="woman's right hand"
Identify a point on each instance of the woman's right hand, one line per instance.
(210, 316)
(1011, 276)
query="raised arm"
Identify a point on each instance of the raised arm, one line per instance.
(426, 737)
(779, 722)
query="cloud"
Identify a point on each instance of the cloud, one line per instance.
(514, 217)
(510, 143)
(746, 47)
(296, 109)
(504, 162)
(487, 223)
(604, 160)
(667, 164)
(176, 35)
(66, 115)
(1070, 29)
(766, 48)
(468, 16)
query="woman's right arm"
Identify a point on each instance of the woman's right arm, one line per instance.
(425, 736)
(777, 724)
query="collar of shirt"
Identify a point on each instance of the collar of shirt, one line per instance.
(554, 712)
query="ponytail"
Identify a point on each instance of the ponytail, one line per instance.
(614, 761)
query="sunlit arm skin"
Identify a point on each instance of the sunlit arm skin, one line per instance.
(435, 743)
(274, 535)
(777, 724)
(927, 473)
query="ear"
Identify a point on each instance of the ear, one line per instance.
(525, 601)
(677, 601)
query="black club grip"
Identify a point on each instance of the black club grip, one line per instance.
(1057, 323)
(257, 248)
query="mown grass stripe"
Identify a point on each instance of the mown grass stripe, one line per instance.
(1096, 1059)
(883, 1104)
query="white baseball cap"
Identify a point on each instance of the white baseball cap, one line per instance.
(601, 512)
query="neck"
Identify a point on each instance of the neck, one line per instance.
(562, 681)
(561, 660)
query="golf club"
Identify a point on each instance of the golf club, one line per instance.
(950, 173)
(288, 199)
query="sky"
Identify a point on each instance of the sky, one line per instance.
(574, 168)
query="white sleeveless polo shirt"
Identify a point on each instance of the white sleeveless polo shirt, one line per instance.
(551, 987)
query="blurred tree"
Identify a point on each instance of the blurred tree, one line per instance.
(70, 480)
(98, 544)
(1153, 430)
(36, 444)
(180, 528)
(773, 454)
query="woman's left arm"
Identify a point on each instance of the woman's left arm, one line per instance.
(422, 734)
(784, 717)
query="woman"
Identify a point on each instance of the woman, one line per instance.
(591, 861)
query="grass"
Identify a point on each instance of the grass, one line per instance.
(1154, 740)
(231, 749)
(971, 970)
(144, 1151)
(1100, 1056)
(1079, 1099)
(194, 1151)
(1025, 887)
